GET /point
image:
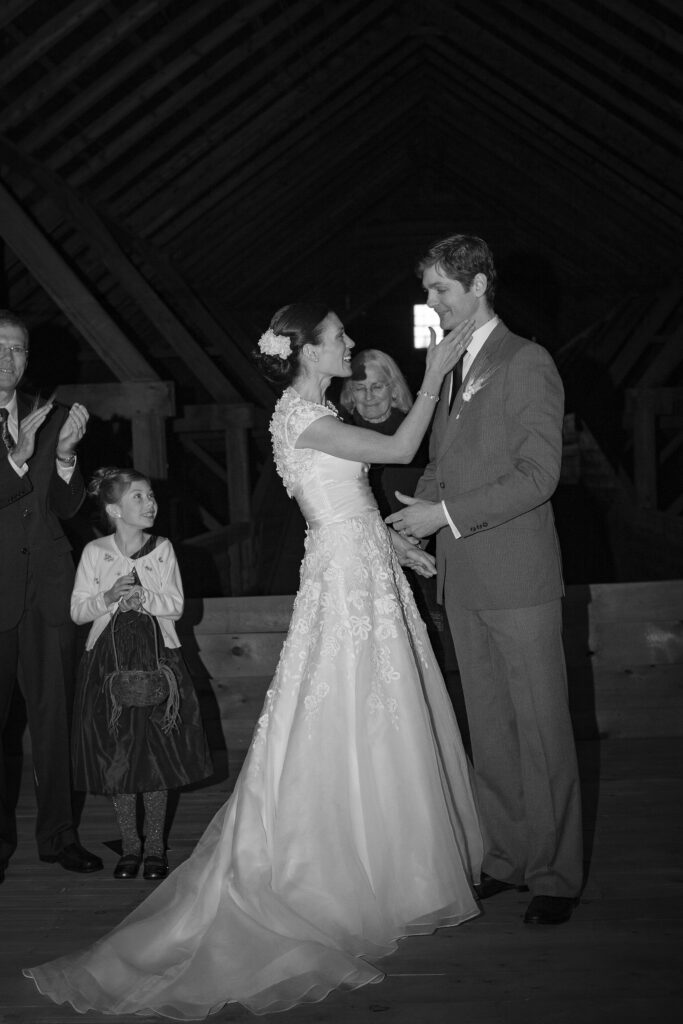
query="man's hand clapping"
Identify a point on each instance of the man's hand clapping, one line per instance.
(28, 428)
(73, 430)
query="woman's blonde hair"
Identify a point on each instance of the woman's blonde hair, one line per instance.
(401, 397)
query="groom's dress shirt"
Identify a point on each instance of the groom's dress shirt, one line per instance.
(65, 472)
(471, 352)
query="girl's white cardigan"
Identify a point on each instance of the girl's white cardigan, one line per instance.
(101, 565)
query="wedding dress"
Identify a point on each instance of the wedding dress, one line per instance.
(352, 822)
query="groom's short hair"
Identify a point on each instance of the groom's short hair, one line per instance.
(462, 257)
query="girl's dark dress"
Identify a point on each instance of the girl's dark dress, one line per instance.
(140, 758)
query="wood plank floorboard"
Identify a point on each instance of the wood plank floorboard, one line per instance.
(616, 962)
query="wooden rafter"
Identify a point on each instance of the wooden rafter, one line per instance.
(91, 227)
(166, 108)
(335, 118)
(80, 59)
(650, 326)
(50, 33)
(69, 293)
(75, 108)
(239, 135)
(582, 119)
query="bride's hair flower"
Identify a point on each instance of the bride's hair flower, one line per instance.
(272, 344)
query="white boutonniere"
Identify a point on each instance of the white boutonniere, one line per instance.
(477, 383)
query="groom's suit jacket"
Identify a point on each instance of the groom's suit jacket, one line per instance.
(31, 535)
(495, 461)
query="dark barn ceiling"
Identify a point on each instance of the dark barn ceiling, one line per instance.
(238, 155)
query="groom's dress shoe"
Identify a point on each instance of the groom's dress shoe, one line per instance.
(549, 910)
(75, 857)
(491, 887)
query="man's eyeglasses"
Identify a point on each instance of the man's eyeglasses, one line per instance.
(14, 350)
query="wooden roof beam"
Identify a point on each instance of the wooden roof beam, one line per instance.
(258, 179)
(327, 96)
(191, 169)
(629, 44)
(549, 133)
(656, 317)
(126, 138)
(79, 60)
(72, 111)
(11, 9)
(635, 13)
(101, 240)
(662, 171)
(70, 294)
(39, 42)
(343, 197)
(666, 361)
(596, 72)
(114, 241)
(553, 180)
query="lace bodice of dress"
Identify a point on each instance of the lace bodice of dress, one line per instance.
(327, 489)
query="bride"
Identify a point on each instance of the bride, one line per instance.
(352, 822)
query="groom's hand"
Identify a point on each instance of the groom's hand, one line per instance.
(419, 519)
(411, 556)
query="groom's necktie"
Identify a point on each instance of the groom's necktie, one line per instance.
(4, 430)
(457, 381)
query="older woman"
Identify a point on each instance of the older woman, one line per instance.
(377, 392)
(377, 397)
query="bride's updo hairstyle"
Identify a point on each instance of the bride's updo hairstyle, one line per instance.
(108, 486)
(278, 352)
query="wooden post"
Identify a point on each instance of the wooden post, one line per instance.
(234, 421)
(149, 445)
(239, 498)
(146, 404)
(645, 447)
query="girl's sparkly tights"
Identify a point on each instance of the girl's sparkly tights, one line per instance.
(125, 808)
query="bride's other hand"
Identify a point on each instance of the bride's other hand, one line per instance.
(442, 357)
(412, 557)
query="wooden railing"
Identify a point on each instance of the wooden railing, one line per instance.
(623, 645)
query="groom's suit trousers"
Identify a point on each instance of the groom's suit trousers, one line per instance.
(515, 687)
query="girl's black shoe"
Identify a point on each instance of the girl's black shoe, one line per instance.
(128, 866)
(155, 868)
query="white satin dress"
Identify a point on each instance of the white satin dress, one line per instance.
(352, 822)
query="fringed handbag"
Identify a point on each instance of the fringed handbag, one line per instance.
(142, 688)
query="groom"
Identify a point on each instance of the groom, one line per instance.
(494, 464)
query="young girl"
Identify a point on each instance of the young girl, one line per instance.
(128, 585)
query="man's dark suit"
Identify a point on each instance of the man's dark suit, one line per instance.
(36, 632)
(494, 462)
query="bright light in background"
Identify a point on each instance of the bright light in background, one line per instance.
(423, 318)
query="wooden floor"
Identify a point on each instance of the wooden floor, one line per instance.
(617, 962)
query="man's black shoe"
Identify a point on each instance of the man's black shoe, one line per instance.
(491, 887)
(549, 910)
(75, 858)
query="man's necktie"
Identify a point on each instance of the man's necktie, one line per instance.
(457, 380)
(4, 431)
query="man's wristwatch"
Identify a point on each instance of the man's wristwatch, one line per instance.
(67, 460)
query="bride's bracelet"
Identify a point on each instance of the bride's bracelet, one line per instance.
(427, 394)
